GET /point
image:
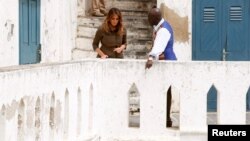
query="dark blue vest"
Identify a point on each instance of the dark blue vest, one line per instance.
(169, 52)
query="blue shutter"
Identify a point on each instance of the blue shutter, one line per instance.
(208, 32)
(236, 28)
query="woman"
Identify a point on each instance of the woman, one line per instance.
(112, 36)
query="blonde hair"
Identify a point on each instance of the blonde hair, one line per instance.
(106, 24)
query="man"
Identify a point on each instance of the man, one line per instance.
(162, 47)
(98, 7)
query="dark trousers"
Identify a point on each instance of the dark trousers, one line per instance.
(169, 99)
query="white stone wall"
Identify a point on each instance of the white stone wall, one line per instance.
(58, 29)
(51, 109)
(57, 34)
(89, 99)
(9, 29)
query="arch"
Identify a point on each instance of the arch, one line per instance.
(172, 106)
(248, 100)
(212, 97)
(248, 107)
(134, 106)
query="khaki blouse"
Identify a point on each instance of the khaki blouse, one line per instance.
(109, 41)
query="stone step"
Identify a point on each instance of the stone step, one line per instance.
(89, 32)
(132, 45)
(129, 4)
(129, 22)
(130, 39)
(86, 43)
(86, 32)
(132, 17)
(88, 40)
(90, 21)
(134, 12)
(140, 41)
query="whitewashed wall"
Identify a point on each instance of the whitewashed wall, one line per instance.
(77, 101)
(58, 30)
(184, 9)
(9, 30)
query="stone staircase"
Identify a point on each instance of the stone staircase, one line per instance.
(134, 14)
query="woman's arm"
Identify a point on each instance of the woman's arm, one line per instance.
(96, 41)
(100, 53)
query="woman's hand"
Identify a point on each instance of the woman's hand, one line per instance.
(104, 56)
(101, 54)
(119, 49)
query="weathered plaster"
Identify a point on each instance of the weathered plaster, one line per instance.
(179, 24)
(179, 15)
(9, 27)
(11, 110)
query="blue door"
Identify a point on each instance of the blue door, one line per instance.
(221, 30)
(236, 30)
(207, 43)
(29, 31)
(221, 33)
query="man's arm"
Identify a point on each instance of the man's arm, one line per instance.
(161, 40)
(160, 43)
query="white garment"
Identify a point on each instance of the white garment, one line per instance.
(161, 40)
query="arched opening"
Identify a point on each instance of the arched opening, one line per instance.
(212, 105)
(172, 107)
(248, 107)
(134, 106)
